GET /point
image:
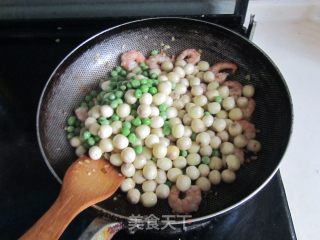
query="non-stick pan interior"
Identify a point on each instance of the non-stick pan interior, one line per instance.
(81, 71)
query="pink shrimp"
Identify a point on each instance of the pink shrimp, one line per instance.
(249, 109)
(130, 59)
(219, 67)
(81, 113)
(249, 129)
(155, 61)
(235, 88)
(190, 55)
(240, 154)
(190, 203)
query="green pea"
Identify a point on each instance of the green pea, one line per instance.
(183, 153)
(115, 117)
(126, 125)
(112, 96)
(93, 93)
(144, 88)
(90, 104)
(114, 73)
(123, 87)
(119, 94)
(218, 99)
(114, 104)
(145, 69)
(143, 64)
(88, 98)
(125, 131)
(168, 183)
(103, 121)
(118, 68)
(144, 81)
(70, 129)
(106, 102)
(136, 122)
(84, 104)
(205, 160)
(146, 121)
(135, 83)
(153, 90)
(154, 52)
(145, 73)
(166, 130)
(119, 101)
(72, 120)
(153, 75)
(132, 138)
(206, 113)
(113, 85)
(86, 135)
(70, 135)
(129, 85)
(114, 79)
(91, 141)
(163, 115)
(138, 93)
(163, 107)
(215, 153)
(138, 149)
(123, 72)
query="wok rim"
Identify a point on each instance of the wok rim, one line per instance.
(194, 220)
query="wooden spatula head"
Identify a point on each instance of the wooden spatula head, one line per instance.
(91, 180)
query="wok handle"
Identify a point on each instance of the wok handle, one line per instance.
(53, 223)
(101, 228)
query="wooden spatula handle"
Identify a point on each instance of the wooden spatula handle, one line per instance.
(52, 224)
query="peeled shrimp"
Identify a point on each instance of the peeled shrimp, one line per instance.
(217, 70)
(218, 67)
(240, 154)
(190, 55)
(130, 59)
(155, 61)
(249, 129)
(190, 203)
(249, 109)
(235, 88)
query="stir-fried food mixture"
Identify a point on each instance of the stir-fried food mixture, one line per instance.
(175, 126)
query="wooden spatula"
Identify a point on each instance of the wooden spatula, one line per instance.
(85, 183)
